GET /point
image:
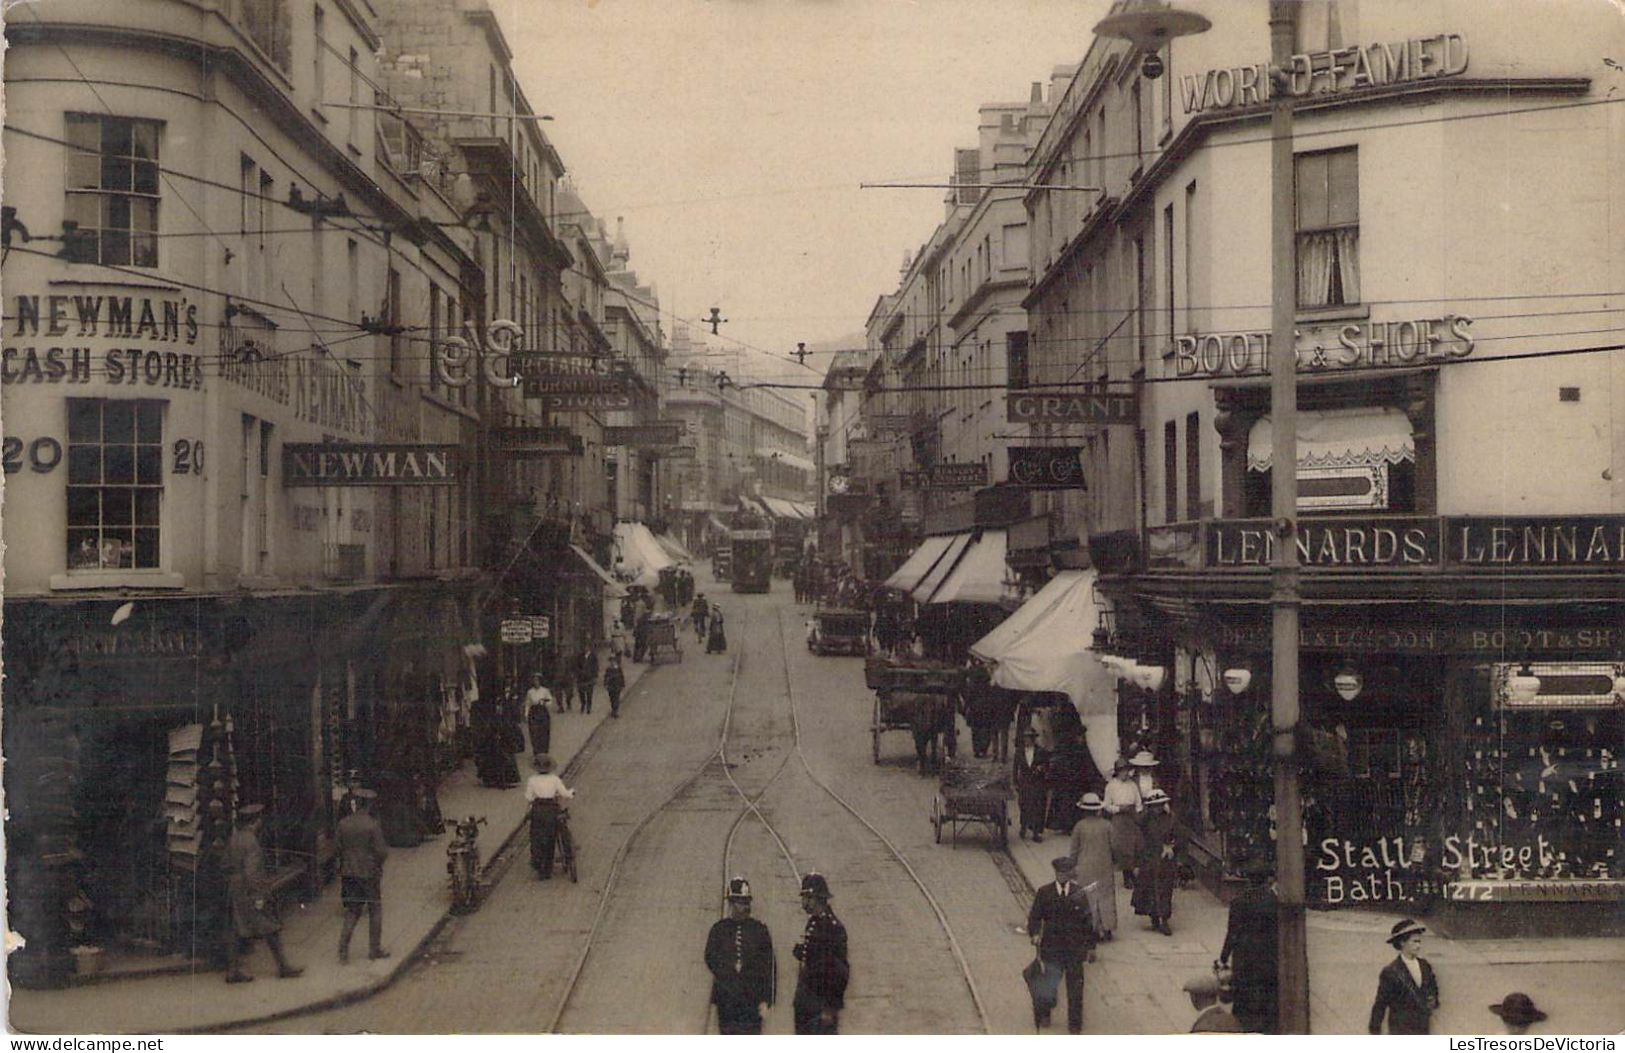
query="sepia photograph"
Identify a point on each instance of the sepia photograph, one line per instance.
(759, 517)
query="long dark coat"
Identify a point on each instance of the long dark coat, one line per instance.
(1407, 1006)
(1158, 872)
(1251, 943)
(246, 886)
(739, 954)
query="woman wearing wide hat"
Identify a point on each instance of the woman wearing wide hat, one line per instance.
(1517, 1011)
(1121, 805)
(1407, 991)
(1158, 871)
(1092, 848)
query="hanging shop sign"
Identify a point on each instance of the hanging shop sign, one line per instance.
(1047, 467)
(541, 375)
(532, 441)
(1084, 408)
(541, 627)
(665, 433)
(602, 400)
(679, 452)
(886, 425)
(366, 464)
(947, 476)
(1329, 72)
(1354, 346)
(516, 630)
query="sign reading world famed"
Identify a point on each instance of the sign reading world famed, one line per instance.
(365, 464)
(1329, 72)
(1083, 408)
(1047, 467)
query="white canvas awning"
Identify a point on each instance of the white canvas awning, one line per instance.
(794, 460)
(939, 571)
(1048, 650)
(611, 586)
(639, 558)
(1368, 436)
(919, 561)
(674, 548)
(979, 575)
(780, 507)
(806, 510)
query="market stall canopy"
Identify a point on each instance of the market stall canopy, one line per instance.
(611, 586)
(780, 508)
(979, 575)
(638, 556)
(1354, 438)
(674, 548)
(940, 570)
(1052, 654)
(922, 559)
(786, 457)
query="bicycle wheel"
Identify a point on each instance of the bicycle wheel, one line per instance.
(567, 846)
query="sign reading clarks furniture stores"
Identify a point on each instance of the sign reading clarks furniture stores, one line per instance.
(1102, 407)
(1047, 467)
(365, 464)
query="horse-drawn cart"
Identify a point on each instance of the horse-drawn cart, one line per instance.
(915, 695)
(972, 793)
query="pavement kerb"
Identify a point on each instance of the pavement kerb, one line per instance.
(410, 958)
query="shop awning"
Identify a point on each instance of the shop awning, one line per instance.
(674, 548)
(942, 568)
(979, 575)
(754, 506)
(781, 508)
(905, 577)
(1048, 650)
(639, 558)
(806, 510)
(786, 457)
(1353, 438)
(611, 586)
(718, 526)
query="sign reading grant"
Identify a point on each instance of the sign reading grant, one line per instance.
(364, 464)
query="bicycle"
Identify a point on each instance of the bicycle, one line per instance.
(566, 845)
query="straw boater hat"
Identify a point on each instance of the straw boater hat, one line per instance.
(1404, 930)
(544, 763)
(1518, 1008)
(1157, 797)
(1144, 759)
(1091, 802)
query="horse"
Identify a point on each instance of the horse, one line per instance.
(932, 723)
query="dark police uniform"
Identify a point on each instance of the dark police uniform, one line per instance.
(821, 986)
(739, 953)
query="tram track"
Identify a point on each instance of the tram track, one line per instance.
(750, 807)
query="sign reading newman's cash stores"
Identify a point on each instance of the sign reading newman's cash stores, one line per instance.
(1354, 346)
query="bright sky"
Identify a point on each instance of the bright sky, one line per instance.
(732, 136)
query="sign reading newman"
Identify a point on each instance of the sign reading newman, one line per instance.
(363, 464)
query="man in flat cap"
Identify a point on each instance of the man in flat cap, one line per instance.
(744, 975)
(362, 851)
(1211, 1015)
(821, 987)
(1062, 928)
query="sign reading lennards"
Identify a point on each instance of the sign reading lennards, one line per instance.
(364, 464)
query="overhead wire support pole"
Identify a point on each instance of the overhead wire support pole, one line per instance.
(1285, 596)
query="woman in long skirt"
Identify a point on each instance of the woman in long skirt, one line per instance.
(1122, 808)
(1159, 866)
(1092, 848)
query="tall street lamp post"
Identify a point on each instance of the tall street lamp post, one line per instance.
(1150, 26)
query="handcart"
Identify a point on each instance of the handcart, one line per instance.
(663, 639)
(972, 793)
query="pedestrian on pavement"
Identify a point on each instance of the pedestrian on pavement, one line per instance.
(1092, 849)
(1207, 998)
(587, 678)
(1061, 927)
(1251, 950)
(361, 874)
(744, 974)
(248, 897)
(716, 641)
(821, 987)
(640, 636)
(564, 680)
(614, 684)
(1031, 776)
(1145, 764)
(1517, 1011)
(538, 715)
(1122, 807)
(547, 795)
(697, 614)
(493, 762)
(1407, 990)
(1158, 872)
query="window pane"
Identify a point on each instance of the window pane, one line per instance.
(118, 506)
(146, 507)
(144, 250)
(84, 507)
(149, 465)
(83, 553)
(116, 136)
(1311, 191)
(145, 178)
(119, 463)
(83, 209)
(146, 548)
(117, 548)
(1343, 187)
(116, 174)
(84, 464)
(118, 212)
(144, 140)
(84, 132)
(84, 171)
(115, 247)
(84, 420)
(149, 416)
(118, 421)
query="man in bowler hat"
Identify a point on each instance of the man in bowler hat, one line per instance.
(744, 975)
(361, 874)
(821, 987)
(1407, 991)
(1251, 944)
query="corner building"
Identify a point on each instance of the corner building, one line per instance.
(1459, 222)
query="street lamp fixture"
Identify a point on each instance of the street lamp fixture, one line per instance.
(1348, 685)
(1149, 26)
(1237, 680)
